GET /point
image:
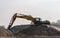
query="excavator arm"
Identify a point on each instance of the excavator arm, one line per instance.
(16, 15)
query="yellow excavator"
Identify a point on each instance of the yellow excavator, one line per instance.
(16, 15)
(35, 21)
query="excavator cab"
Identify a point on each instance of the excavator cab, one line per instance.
(37, 21)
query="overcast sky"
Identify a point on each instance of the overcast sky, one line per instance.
(45, 9)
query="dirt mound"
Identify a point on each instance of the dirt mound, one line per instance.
(35, 30)
(40, 31)
(5, 32)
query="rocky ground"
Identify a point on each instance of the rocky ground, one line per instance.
(31, 32)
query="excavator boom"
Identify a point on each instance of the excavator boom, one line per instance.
(16, 15)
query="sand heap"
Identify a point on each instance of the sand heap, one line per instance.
(35, 30)
(5, 32)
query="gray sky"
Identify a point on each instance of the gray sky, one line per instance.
(45, 9)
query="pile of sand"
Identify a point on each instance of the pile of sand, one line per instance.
(36, 30)
(5, 32)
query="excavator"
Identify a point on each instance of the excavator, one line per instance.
(35, 21)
